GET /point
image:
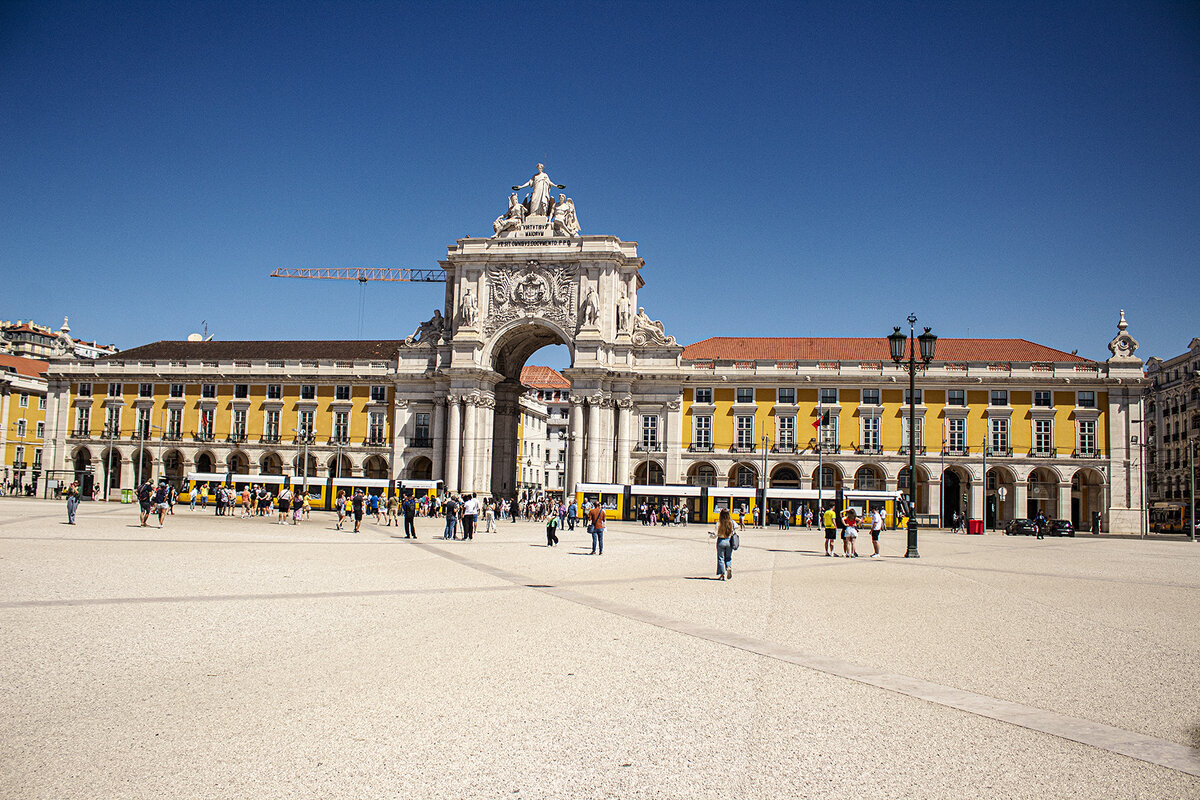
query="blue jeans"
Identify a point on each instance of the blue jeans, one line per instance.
(72, 504)
(724, 555)
(451, 526)
(597, 539)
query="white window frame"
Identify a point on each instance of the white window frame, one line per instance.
(39, 430)
(83, 420)
(1085, 429)
(341, 426)
(702, 430)
(207, 422)
(706, 402)
(649, 437)
(239, 422)
(828, 434)
(920, 420)
(378, 393)
(175, 422)
(743, 434)
(869, 432)
(376, 423)
(998, 435)
(1043, 441)
(785, 430)
(112, 420)
(956, 434)
(779, 395)
(22, 427)
(737, 395)
(271, 423)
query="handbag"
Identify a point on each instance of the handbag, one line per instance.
(735, 541)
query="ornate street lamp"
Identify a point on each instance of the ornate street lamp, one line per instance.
(896, 343)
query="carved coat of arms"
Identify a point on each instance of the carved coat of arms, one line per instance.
(531, 290)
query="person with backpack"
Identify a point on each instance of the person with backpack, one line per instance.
(358, 506)
(162, 501)
(145, 495)
(727, 542)
(596, 525)
(409, 508)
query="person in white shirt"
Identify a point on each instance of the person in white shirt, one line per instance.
(876, 529)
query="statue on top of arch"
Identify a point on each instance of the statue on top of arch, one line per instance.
(539, 202)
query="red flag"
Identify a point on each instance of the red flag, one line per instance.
(821, 420)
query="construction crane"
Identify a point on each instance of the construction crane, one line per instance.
(362, 275)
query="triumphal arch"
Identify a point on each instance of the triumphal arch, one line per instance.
(537, 281)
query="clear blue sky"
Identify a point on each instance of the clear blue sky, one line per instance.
(796, 169)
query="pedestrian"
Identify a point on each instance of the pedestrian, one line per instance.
(1040, 522)
(339, 505)
(162, 501)
(204, 497)
(552, 530)
(470, 515)
(358, 505)
(285, 505)
(193, 496)
(145, 496)
(876, 529)
(489, 517)
(726, 538)
(450, 506)
(850, 535)
(373, 501)
(572, 514)
(393, 510)
(409, 509)
(72, 502)
(307, 505)
(596, 525)
(829, 521)
(808, 517)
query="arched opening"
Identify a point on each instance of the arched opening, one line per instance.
(827, 478)
(270, 464)
(299, 463)
(702, 474)
(1087, 499)
(785, 476)
(239, 463)
(420, 469)
(743, 474)
(204, 462)
(84, 475)
(339, 467)
(956, 495)
(510, 468)
(172, 468)
(1000, 498)
(1043, 494)
(376, 467)
(869, 479)
(921, 494)
(143, 466)
(649, 473)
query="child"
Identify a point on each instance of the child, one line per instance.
(552, 530)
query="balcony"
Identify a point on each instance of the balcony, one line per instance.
(339, 440)
(700, 447)
(1000, 452)
(958, 451)
(868, 450)
(1092, 452)
(173, 436)
(743, 448)
(783, 448)
(920, 450)
(375, 441)
(203, 436)
(269, 438)
(1051, 452)
(421, 441)
(828, 448)
(648, 447)
(237, 437)
(80, 434)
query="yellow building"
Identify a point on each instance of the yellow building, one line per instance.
(22, 422)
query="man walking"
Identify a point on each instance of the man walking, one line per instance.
(410, 511)
(470, 515)
(451, 509)
(876, 529)
(596, 521)
(829, 521)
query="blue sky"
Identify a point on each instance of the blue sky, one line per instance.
(799, 169)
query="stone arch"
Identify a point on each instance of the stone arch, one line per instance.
(649, 473)
(785, 475)
(205, 461)
(506, 352)
(1042, 492)
(420, 469)
(956, 493)
(173, 467)
(870, 477)
(921, 493)
(702, 473)
(338, 466)
(830, 475)
(270, 463)
(1088, 488)
(375, 467)
(238, 462)
(998, 511)
(298, 465)
(743, 473)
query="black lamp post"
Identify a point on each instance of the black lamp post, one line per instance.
(896, 343)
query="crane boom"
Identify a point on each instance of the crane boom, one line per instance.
(363, 274)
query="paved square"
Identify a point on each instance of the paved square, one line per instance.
(222, 657)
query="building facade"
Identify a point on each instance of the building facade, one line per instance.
(22, 421)
(552, 392)
(449, 402)
(1172, 429)
(28, 339)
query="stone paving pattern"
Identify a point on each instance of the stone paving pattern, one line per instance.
(222, 657)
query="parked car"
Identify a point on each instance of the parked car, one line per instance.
(1021, 527)
(1060, 527)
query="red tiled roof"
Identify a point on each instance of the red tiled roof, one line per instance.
(543, 378)
(22, 366)
(729, 348)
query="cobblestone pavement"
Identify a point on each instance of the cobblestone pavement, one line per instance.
(222, 657)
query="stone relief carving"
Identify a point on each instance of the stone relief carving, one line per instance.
(626, 402)
(624, 313)
(1123, 345)
(428, 332)
(577, 399)
(649, 331)
(530, 291)
(470, 309)
(675, 405)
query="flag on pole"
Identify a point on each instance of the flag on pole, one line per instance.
(821, 420)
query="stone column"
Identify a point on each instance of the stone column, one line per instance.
(575, 444)
(608, 425)
(593, 439)
(1064, 500)
(673, 439)
(453, 442)
(977, 509)
(1020, 499)
(624, 440)
(439, 438)
(934, 490)
(487, 422)
(127, 471)
(470, 442)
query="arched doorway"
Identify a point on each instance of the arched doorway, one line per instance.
(999, 497)
(702, 474)
(649, 473)
(143, 466)
(239, 463)
(376, 467)
(420, 469)
(956, 495)
(339, 467)
(1087, 499)
(204, 462)
(509, 353)
(172, 468)
(828, 478)
(299, 463)
(270, 464)
(743, 474)
(1043, 494)
(84, 476)
(110, 462)
(786, 476)
(868, 479)
(921, 494)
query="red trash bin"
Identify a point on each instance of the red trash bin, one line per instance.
(975, 526)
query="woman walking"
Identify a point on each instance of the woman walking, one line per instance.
(725, 536)
(72, 502)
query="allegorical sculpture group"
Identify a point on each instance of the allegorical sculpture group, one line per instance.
(540, 203)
